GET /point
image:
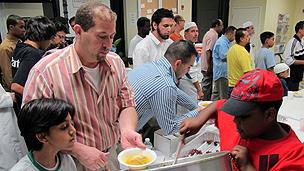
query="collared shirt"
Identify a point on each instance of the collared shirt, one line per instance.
(6, 50)
(239, 62)
(219, 57)
(61, 75)
(293, 50)
(208, 42)
(149, 49)
(156, 95)
(134, 41)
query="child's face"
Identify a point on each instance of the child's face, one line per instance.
(284, 74)
(270, 41)
(246, 124)
(62, 136)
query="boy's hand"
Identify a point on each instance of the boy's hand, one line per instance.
(242, 158)
(90, 157)
(131, 139)
(190, 126)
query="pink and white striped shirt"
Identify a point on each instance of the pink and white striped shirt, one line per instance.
(61, 75)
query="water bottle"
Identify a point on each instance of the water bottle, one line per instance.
(148, 144)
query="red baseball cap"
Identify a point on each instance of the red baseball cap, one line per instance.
(254, 86)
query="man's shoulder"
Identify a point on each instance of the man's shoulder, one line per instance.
(113, 56)
(49, 61)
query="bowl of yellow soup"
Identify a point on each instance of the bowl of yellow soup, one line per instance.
(204, 103)
(136, 158)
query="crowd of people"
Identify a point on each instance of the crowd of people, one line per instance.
(77, 107)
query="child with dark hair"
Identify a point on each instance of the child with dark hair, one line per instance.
(47, 128)
(264, 57)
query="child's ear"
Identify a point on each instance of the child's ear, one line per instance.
(271, 114)
(41, 137)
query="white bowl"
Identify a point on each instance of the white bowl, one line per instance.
(137, 155)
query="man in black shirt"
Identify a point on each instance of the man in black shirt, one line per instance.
(39, 31)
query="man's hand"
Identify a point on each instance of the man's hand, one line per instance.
(200, 94)
(90, 157)
(242, 158)
(190, 126)
(130, 138)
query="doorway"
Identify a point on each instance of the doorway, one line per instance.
(205, 11)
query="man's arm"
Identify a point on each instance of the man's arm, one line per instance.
(15, 87)
(185, 100)
(5, 66)
(208, 60)
(191, 126)
(199, 90)
(128, 124)
(298, 62)
(163, 106)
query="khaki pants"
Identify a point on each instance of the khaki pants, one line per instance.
(112, 165)
(220, 90)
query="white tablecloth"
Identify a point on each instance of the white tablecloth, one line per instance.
(292, 112)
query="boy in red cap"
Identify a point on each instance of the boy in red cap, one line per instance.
(256, 140)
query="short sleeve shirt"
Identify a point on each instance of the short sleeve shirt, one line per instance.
(282, 154)
(264, 59)
(239, 62)
(24, 58)
(208, 42)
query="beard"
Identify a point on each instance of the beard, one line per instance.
(164, 37)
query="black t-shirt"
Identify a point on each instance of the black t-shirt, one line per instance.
(24, 58)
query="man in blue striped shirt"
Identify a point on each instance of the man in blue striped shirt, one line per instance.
(156, 91)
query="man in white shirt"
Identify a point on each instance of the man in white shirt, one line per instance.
(154, 45)
(191, 82)
(143, 29)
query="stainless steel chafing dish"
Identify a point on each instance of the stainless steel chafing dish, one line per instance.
(215, 161)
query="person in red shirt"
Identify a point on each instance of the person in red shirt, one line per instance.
(178, 27)
(256, 140)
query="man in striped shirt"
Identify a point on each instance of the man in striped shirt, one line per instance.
(156, 91)
(94, 81)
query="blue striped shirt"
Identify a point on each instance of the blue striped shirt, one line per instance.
(157, 95)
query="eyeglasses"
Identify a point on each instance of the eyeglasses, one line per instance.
(61, 36)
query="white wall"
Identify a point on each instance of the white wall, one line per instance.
(299, 11)
(21, 9)
(250, 5)
(73, 6)
(276, 7)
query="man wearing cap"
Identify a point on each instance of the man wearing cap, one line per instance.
(208, 42)
(282, 71)
(248, 126)
(248, 25)
(294, 57)
(191, 82)
(238, 59)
